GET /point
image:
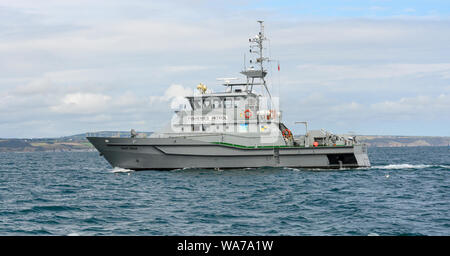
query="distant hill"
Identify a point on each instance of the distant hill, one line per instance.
(404, 141)
(78, 142)
(31, 145)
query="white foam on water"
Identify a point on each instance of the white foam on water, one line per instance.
(291, 169)
(73, 234)
(402, 166)
(121, 170)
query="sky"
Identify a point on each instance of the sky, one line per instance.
(373, 67)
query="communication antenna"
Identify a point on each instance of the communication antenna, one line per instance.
(256, 46)
(227, 80)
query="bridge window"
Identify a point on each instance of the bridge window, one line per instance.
(197, 104)
(228, 102)
(217, 103)
(207, 103)
(237, 102)
(252, 102)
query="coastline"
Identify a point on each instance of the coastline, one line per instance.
(79, 142)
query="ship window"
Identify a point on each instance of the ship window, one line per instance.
(251, 102)
(207, 103)
(237, 102)
(197, 104)
(217, 103)
(228, 102)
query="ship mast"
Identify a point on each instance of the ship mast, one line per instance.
(252, 73)
(260, 40)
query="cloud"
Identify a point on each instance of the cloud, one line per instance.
(177, 90)
(422, 107)
(374, 71)
(125, 37)
(86, 103)
(175, 94)
(347, 107)
(39, 86)
(185, 68)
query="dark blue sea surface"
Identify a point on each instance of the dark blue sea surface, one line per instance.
(406, 192)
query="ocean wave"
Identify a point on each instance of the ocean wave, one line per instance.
(121, 170)
(406, 166)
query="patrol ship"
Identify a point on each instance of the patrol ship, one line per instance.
(240, 127)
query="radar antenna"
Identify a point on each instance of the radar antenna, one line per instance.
(227, 80)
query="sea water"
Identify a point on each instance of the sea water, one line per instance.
(405, 192)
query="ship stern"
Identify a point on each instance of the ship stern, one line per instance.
(361, 155)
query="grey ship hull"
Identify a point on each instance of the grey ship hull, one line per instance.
(179, 153)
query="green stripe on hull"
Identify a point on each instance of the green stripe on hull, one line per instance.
(265, 147)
